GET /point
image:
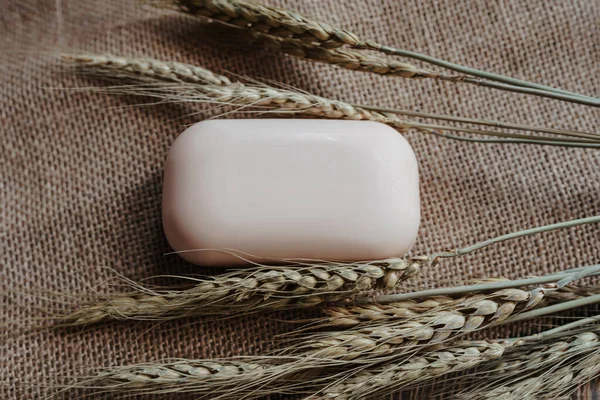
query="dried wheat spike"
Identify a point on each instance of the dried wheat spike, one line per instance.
(146, 68)
(260, 376)
(378, 381)
(202, 377)
(543, 371)
(323, 52)
(237, 93)
(181, 88)
(292, 25)
(243, 291)
(271, 20)
(386, 330)
(347, 58)
(291, 101)
(477, 309)
(384, 340)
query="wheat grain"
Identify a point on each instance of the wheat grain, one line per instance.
(249, 290)
(265, 375)
(415, 325)
(553, 384)
(177, 373)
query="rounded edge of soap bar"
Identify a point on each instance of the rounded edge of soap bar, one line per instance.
(179, 230)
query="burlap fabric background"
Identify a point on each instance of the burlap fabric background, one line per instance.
(81, 173)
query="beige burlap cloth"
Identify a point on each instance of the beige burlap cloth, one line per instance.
(81, 173)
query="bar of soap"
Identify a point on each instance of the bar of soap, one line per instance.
(290, 188)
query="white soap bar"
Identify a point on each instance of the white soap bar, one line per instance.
(290, 188)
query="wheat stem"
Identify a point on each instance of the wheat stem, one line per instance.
(584, 301)
(515, 235)
(560, 329)
(499, 133)
(577, 144)
(483, 122)
(534, 88)
(514, 138)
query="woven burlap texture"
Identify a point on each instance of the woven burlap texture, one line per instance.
(81, 173)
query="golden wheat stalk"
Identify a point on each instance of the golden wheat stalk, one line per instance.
(347, 58)
(475, 308)
(292, 26)
(248, 290)
(269, 20)
(405, 326)
(253, 377)
(378, 381)
(544, 371)
(356, 350)
(532, 360)
(127, 67)
(173, 82)
(197, 376)
(260, 376)
(216, 90)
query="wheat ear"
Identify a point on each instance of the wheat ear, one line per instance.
(382, 380)
(247, 378)
(411, 328)
(495, 362)
(126, 67)
(253, 377)
(236, 94)
(218, 379)
(198, 376)
(170, 88)
(544, 371)
(248, 290)
(343, 57)
(148, 70)
(292, 25)
(472, 309)
(348, 58)
(269, 20)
